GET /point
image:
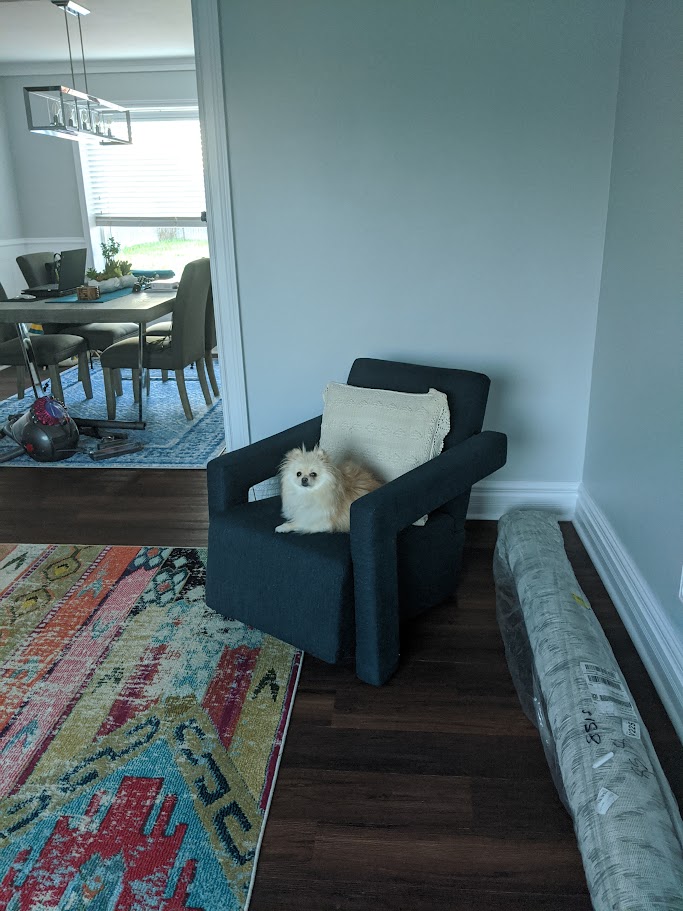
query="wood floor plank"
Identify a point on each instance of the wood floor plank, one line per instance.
(447, 858)
(375, 799)
(306, 890)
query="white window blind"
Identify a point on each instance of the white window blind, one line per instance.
(156, 180)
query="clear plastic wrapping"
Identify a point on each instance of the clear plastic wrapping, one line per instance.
(601, 758)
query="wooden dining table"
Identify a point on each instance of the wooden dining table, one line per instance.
(134, 307)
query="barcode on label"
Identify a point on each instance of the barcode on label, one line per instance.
(594, 669)
(606, 681)
(600, 698)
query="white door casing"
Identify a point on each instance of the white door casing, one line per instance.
(213, 120)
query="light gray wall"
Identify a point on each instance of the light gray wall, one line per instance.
(10, 221)
(44, 168)
(424, 181)
(634, 452)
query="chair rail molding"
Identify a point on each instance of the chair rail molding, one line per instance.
(48, 242)
(642, 614)
(214, 128)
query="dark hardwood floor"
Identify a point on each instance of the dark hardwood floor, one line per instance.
(429, 793)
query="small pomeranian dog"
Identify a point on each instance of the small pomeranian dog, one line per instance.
(317, 494)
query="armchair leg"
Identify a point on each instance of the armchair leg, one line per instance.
(109, 383)
(201, 375)
(164, 376)
(84, 372)
(148, 380)
(182, 391)
(136, 385)
(55, 382)
(118, 382)
(208, 359)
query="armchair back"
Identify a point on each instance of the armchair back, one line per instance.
(466, 390)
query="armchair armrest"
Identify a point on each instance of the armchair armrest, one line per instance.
(427, 487)
(377, 518)
(230, 476)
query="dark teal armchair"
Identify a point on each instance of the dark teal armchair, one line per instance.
(336, 595)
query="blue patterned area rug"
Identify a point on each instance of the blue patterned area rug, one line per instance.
(170, 440)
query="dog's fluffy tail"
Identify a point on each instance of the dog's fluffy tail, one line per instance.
(358, 480)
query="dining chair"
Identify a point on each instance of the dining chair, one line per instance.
(184, 346)
(50, 351)
(34, 268)
(165, 327)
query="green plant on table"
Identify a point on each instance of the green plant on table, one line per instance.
(113, 268)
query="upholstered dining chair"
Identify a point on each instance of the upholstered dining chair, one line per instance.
(336, 594)
(183, 347)
(34, 268)
(50, 350)
(165, 327)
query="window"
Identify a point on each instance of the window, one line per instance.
(150, 195)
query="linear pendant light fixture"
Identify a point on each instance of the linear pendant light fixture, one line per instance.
(63, 111)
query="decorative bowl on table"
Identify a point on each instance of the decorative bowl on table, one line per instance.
(106, 284)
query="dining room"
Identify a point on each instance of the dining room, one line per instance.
(106, 301)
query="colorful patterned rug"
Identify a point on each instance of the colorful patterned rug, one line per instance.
(171, 441)
(140, 733)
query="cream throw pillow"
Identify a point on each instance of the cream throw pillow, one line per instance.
(388, 432)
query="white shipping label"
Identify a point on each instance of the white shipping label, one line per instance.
(607, 691)
(630, 728)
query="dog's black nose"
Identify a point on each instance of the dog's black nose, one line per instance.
(304, 482)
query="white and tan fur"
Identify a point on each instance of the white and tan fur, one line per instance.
(317, 494)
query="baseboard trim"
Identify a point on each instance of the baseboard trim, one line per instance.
(634, 600)
(491, 500)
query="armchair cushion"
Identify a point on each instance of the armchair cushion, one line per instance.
(389, 432)
(316, 566)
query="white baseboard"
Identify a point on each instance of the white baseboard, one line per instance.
(647, 624)
(489, 500)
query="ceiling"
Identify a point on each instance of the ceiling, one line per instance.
(33, 30)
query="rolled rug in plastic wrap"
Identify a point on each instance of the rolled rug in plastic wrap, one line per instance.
(627, 822)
